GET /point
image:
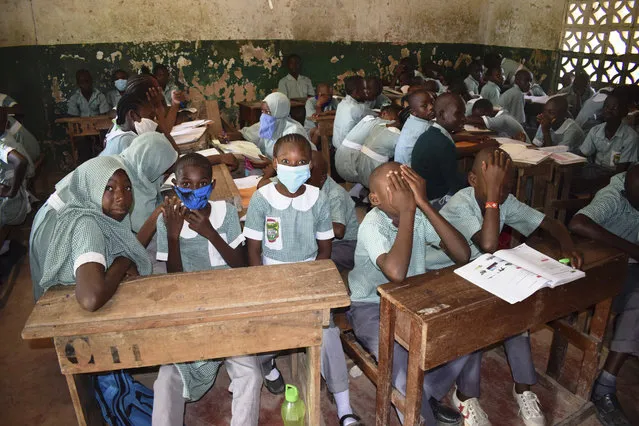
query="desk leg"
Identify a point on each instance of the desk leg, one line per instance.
(590, 362)
(83, 398)
(415, 378)
(313, 355)
(385, 362)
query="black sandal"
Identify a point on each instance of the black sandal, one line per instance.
(358, 421)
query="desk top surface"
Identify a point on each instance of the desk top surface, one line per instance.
(296, 102)
(79, 119)
(187, 298)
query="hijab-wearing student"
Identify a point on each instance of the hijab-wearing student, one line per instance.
(92, 244)
(612, 218)
(475, 74)
(20, 133)
(556, 128)
(512, 100)
(422, 112)
(491, 89)
(295, 85)
(195, 234)
(134, 117)
(163, 76)
(351, 110)
(376, 99)
(119, 81)
(86, 101)
(14, 167)
(484, 115)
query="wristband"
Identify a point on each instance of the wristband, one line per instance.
(491, 205)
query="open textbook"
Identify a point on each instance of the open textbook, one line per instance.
(515, 274)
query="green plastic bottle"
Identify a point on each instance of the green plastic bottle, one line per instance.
(293, 408)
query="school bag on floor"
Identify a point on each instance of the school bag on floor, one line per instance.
(123, 401)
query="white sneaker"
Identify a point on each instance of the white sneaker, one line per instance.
(471, 411)
(529, 408)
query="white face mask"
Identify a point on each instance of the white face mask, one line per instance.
(145, 125)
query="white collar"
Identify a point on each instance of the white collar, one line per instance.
(280, 202)
(564, 126)
(216, 217)
(444, 131)
(117, 131)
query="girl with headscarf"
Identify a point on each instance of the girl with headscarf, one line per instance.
(274, 123)
(92, 244)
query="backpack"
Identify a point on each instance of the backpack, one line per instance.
(123, 401)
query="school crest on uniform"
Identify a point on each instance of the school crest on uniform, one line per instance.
(272, 230)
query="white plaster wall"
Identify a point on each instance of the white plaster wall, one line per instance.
(517, 23)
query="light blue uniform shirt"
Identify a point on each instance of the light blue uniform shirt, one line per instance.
(377, 150)
(347, 155)
(342, 208)
(296, 88)
(311, 104)
(492, 92)
(78, 106)
(612, 210)
(463, 212)
(505, 126)
(117, 140)
(349, 113)
(622, 148)
(537, 90)
(113, 97)
(512, 101)
(568, 134)
(381, 101)
(376, 236)
(24, 137)
(590, 114)
(472, 85)
(12, 210)
(411, 131)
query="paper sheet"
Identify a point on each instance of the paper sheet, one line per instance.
(474, 129)
(184, 136)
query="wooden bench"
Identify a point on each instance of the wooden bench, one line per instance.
(185, 317)
(84, 126)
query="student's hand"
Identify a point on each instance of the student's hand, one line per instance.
(156, 97)
(131, 273)
(544, 122)
(521, 137)
(576, 258)
(173, 212)
(199, 222)
(416, 183)
(495, 171)
(230, 160)
(400, 196)
(262, 163)
(177, 97)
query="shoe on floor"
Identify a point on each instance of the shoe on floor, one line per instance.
(471, 411)
(277, 386)
(355, 420)
(529, 408)
(443, 414)
(609, 411)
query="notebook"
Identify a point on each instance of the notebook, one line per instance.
(515, 274)
(521, 154)
(567, 158)
(474, 129)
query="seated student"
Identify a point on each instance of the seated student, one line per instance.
(566, 79)
(479, 212)
(475, 74)
(536, 89)
(295, 85)
(484, 115)
(348, 153)
(162, 75)
(431, 72)
(422, 112)
(555, 128)
(405, 70)
(134, 117)
(511, 67)
(391, 246)
(119, 81)
(86, 101)
(317, 106)
(590, 114)
(612, 218)
(92, 245)
(290, 222)
(378, 148)
(352, 109)
(512, 100)
(201, 235)
(578, 93)
(14, 166)
(15, 128)
(274, 123)
(613, 144)
(376, 99)
(434, 157)
(491, 90)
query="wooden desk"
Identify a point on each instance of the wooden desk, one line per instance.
(185, 317)
(84, 126)
(325, 129)
(425, 313)
(466, 153)
(225, 188)
(249, 112)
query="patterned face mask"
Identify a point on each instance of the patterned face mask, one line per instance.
(194, 199)
(267, 126)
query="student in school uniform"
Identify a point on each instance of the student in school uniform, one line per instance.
(422, 114)
(612, 218)
(14, 165)
(536, 89)
(352, 109)
(119, 81)
(391, 246)
(512, 100)
(20, 133)
(319, 105)
(578, 93)
(295, 85)
(92, 245)
(195, 234)
(479, 212)
(86, 101)
(613, 144)
(590, 114)
(162, 75)
(434, 157)
(290, 222)
(348, 153)
(376, 99)
(556, 128)
(474, 78)
(491, 90)
(484, 116)
(134, 117)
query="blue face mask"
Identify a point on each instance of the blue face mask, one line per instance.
(120, 84)
(194, 199)
(293, 177)
(267, 126)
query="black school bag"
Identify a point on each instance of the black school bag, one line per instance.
(123, 401)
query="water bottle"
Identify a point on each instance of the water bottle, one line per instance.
(293, 408)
